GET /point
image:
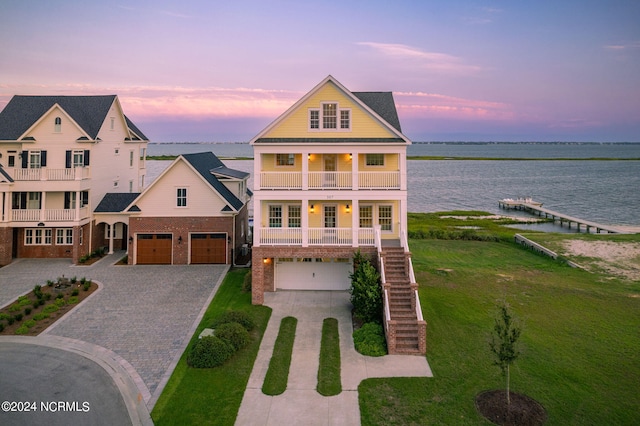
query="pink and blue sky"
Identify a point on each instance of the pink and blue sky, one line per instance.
(545, 70)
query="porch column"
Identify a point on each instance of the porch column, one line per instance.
(78, 201)
(304, 222)
(305, 170)
(43, 206)
(112, 229)
(355, 184)
(355, 223)
(6, 206)
(402, 159)
(257, 221)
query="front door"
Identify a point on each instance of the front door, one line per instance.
(330, 223)
(330, 168)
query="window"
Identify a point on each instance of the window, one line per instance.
(295, 220)
(113, 123)
(35, 160)
(385, 218)
(78, 158)
(130, 186)
(345, 122)
(84, 198)
(69, 200)
(64, 236)
(57, 125)
(117, 151)
(329, 116)
(181, 197)
(115, 183)
(366, 217)
(143, 153)
(275, 216)
(33, 200)
(330, 216)
(314, 119)
(11, 161)
(37, 236)
(130, 158)
(375, 159)
(285, 159)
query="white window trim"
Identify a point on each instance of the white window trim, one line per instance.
(186, 197)
(374, 165)
(282, 216)
(275, 159)
(377, 214)
(320, 111)
(45, 234)
(64, 236)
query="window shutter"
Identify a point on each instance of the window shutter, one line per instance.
(23, 200)
(85, 198)
(43, 158)
(86, 157)
(67, 200)
(25, 159)
(67, 160)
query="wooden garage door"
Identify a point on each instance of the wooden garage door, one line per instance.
(208, 248)
(154, 249)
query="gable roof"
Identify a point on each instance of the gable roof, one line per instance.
(4, 176)
(89, 112)
(380, 105)
(206, 164)
(115, 202)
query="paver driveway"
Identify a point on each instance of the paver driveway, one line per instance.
(145, 314)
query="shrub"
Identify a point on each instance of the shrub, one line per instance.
(27, 311)
(50, 309)
(10, 320)
(41, 301)
(59, 302)
(22, 329)
(75, 292)
(23, 301)
(86, 285)
(29, 323)
(83, 280)
(234, 334)
(73, 280)
(240, 317)
(40, 316)
(37, 291)
(14, 308)
(366, 293)
(72, 300)
(209, 352)
(369, 340)
(36, 303)
(246, 284)
(4, 316)
(18, 317)
(59, 296)
(47, 296)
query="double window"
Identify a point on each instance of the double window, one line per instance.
(383, 216)
(37, 236)
(285, 159)
(330, 117)
(374, 159)
(289, 214)
(64, 236)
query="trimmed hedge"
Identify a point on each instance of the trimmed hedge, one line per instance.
(209, 352)
(240, 317)
(369, 340)
(234, 334)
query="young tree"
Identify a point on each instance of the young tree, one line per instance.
(503, 342)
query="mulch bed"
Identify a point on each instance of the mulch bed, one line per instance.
(523, 410)
(43, 324)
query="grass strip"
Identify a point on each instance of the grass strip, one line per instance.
(275, 382)
(212, 396)
(329, 383)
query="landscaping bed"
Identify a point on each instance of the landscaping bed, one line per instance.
(32, 313)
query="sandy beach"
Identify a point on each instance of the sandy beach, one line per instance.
(617, 258)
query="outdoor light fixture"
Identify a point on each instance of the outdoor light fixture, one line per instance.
(348, 208)
(350, 156)
(180, 239)
(312, 208)
(265, 260)
(130, 240)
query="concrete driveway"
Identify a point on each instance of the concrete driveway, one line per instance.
(143, 316)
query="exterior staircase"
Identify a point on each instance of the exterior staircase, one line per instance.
(406, 332)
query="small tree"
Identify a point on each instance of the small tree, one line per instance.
(366, 294)
(503, 342)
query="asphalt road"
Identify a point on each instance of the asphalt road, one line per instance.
(57, 388)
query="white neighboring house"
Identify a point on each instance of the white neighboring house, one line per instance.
(59, 156)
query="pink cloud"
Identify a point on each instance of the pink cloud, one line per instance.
(414, 104)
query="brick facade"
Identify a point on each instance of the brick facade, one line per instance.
(263, 266)
(182, 227)
(6, 246)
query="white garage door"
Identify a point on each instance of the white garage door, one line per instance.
(313, 274)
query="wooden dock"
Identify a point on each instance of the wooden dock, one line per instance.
(534, 207)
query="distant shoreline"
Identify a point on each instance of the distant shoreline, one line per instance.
(439, 158)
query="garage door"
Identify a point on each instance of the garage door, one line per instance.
(313, 274)
(153, 249)
(208, 248)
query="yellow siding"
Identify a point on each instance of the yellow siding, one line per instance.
(160, 200)
(296, 125)
(268, 164)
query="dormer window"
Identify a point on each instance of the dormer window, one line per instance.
(330, 117)
(58, 125)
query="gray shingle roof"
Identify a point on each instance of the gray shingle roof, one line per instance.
(113, 202)
(381, 103)
(206, 163)
(88, 111)
(4, 176)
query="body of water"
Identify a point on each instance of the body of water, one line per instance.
(607, 192)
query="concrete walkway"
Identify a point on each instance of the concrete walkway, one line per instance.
(301, 403)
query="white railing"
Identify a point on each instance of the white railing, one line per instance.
(75, 173)
(58, 215)
(25, 215)
(281, 236)
(330, 180)
(366, 237)
(379, 180)
(412, 277)
(327, 180)
(418, 307)
(330, 236)
(387, 312)
(280, 180)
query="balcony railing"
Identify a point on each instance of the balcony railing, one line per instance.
(76, 173)
(49, 215)
(315, 237)
(330, 180)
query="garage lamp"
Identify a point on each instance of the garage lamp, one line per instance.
(130, 240)
(180, 239)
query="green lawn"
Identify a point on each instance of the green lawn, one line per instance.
(213, 396)
(580, 344)
(275, 381)
(329, 382)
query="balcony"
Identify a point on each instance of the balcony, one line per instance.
(330, 180)
(315, 237)
(48, 215)
(45, 174)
